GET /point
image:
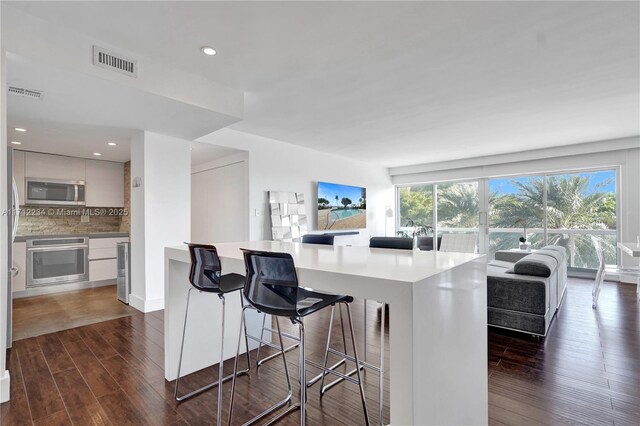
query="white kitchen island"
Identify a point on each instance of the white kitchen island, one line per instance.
(437, 315)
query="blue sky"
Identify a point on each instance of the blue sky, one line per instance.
(330, 190)
(505, 185)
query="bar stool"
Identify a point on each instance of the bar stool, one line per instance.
(205, 276)
(397, 243)
(272, 287)
(320, 239)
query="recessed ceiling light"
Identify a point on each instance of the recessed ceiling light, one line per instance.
(20, 129)
(112, 143)
(97, 154)
(16, 143)
(207, 50)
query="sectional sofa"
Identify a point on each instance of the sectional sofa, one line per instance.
(524, 290)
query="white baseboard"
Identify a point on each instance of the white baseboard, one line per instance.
(4, 386)
(146, 305)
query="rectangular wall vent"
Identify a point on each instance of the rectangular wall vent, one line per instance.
(106, 59)
(25, 93)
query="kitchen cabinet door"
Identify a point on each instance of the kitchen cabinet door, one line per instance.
(19, 281)
(47, 166)
(105, 269)
(105, 184)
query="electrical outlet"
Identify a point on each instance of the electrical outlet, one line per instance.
(258, 213)
(84, 218)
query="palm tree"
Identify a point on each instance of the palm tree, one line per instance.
(458, 205)
(571, 204)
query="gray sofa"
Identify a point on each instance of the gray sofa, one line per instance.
(524, 290)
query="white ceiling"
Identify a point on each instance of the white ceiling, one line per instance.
(78, 113)
(397, 83)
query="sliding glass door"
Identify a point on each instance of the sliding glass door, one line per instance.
(580, 207)
(516, 209)
(457, 208)
(415, 208)
(566, 209)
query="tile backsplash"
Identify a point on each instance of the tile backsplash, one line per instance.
(49, 221)
(125, 224)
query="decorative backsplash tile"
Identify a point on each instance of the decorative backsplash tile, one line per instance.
(125, 224)
(44, 221)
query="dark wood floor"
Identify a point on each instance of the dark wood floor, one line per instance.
(587, 371)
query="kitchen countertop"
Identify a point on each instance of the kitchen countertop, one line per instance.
(23, 238)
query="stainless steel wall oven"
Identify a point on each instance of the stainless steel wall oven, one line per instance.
(52, 261)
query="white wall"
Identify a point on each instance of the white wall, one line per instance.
(623, 154)
(280, 166)
(137, 231)
(161, 212)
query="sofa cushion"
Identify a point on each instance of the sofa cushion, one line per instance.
(536, 265)
(516, 292)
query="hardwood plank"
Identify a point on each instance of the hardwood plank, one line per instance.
(142, 395)
(55, 353)
(73, 389)
(42, 392)
(95, 375)
(120, 411)
(26, 346)
(90, 415)
(68, 336)
(17, 411)
(95, 342)
(61, 418)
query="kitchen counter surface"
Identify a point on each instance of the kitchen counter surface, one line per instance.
(23, 238)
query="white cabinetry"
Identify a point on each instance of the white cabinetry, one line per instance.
(48, 166)
(104, 180)
(18, 173)
(19, 254)
(102, 258)
(105, 184)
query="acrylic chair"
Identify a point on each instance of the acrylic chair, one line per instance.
(272, 287)
(458, 243)
(604, 269)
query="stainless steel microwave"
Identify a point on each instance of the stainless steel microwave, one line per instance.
(53, 192)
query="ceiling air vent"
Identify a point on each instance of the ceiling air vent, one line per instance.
(106, 59)
(25, 93)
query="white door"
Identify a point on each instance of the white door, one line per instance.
(219, 204)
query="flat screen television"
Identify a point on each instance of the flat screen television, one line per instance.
(341, 206)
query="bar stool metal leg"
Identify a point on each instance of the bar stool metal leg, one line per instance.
(355, 355)
(322, 375)
(363, 364)
(221, 379)
(282, 352)
(260, 361)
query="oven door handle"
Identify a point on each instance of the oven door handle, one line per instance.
(57, 248)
